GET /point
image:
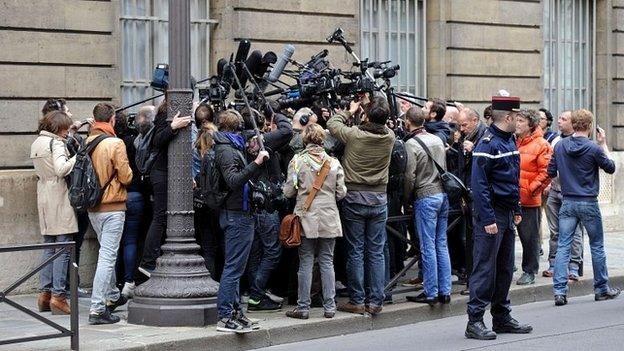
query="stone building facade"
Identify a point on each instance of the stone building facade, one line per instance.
(467, 49)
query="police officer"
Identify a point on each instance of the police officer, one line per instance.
(495, 177)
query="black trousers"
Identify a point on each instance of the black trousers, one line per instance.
(158, 227)
(209, 236)
(493, 269)
(469, 242)
(456, 242)
(529, 234)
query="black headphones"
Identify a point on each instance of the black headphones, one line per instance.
(305, 119)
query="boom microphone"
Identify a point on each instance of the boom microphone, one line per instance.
(287, 53)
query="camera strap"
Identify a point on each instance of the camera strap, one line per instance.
(318, 183)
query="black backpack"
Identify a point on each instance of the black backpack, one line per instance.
(85, 191)
(396, 171)
(145, 154)
(208, 191)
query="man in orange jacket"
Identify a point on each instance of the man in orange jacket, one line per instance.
(535, 153)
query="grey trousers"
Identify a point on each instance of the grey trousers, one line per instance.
(108, 227)
(324, 248)
(553, 206)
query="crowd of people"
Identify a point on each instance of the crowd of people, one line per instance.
(344, 173)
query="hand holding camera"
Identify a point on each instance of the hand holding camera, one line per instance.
(262, 156)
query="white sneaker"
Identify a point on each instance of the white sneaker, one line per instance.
(128, 290)
(275, 298)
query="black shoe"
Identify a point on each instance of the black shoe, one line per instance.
(263, 305)
(388, 300)
(422, 298)
(478, 330)
(512, 326)
(608, 295)
(561, 300)
(112, 305)
(444, 299)
(103, 318)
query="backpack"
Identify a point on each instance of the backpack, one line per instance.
(208, 191)
(396, 171)
(145, 154)
(85, 191)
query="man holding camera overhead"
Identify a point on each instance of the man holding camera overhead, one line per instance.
(368, 147)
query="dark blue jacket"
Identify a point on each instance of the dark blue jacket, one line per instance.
(577, 160)
(495, 175)
(441, 129)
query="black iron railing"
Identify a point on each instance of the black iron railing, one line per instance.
(73, 284)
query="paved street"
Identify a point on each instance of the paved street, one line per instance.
(17, 324)
(581, 325)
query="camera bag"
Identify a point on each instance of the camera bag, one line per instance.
(453, 186)
(291, 229)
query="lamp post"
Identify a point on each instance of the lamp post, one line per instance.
(180, 292)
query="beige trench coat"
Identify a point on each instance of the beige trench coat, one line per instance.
(322, 220)
(56, 216)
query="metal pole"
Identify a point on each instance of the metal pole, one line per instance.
(73, 285)
(180, 292)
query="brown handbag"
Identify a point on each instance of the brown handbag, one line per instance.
(291, 229)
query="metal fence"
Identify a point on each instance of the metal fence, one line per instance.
(569, 53)
(73, 332)
(396, 30)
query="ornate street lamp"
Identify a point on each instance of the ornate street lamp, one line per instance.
(180, 292)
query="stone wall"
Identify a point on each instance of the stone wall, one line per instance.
(476, 47)
(615, 79)
(53, 48)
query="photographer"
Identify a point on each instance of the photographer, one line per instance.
(236, 219)
(164, 132)
(266, 250)
(366, 160)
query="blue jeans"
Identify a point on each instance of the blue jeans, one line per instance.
(265, 252)
(365, 236)
(130, 237)
(588, 214)
(53, 277)
(431, 215)
(108, 227)
(238, 233)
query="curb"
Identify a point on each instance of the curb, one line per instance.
(394, 315)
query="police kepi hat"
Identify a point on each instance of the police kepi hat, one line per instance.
(506, 103)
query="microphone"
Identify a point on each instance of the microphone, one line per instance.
(269, 58)
(287, 53)
(253, 65)
(243, 50)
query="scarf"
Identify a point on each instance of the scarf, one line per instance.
(237, 140)
(472, 136)
(105, 127)
(312, 155)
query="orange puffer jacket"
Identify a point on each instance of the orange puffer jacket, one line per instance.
(535, 153)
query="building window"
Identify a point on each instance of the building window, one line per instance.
(395, 30)
(568, 54)
(144, 28)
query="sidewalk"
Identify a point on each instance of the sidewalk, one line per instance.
(276, 328)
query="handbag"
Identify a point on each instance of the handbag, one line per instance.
(291, 229)
(453, 186)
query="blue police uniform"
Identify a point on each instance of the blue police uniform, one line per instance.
(495, 189)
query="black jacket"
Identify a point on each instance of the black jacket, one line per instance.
(441, 129)
(235, 171)
(274, 141)
(465, 158)
(163, 134)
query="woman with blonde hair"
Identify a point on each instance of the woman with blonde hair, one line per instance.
(57, 219)
(321, 222)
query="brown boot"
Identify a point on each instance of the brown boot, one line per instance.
(43, 302)
(58, 305)
(351, 308)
